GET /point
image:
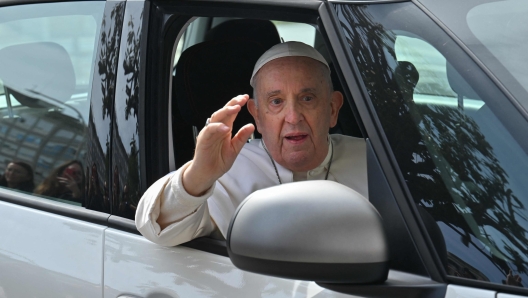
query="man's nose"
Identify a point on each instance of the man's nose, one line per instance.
(293, 113)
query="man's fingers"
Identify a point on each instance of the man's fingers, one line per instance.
(226, 114)
(238, 100)
(242, 136)
(213, 132)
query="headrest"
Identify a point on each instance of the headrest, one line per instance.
(209, 74)
(407, 77)
(39, 74)
(263, 32)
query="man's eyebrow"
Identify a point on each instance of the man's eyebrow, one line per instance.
(304, 90)
(312, 90)
(273, 93)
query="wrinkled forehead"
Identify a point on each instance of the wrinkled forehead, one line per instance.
(287, 71)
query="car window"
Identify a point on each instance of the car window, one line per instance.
(290, 31)
(458, 141)
(46, 57)
(192, 100)
(197, 29)
(495, 31)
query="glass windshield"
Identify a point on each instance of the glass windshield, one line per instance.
(459, 142)
(496, 32)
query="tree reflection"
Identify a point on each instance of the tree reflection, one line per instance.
(131, 67)
(128, 159)
(108, 56)
(98, 173)
(449, 166)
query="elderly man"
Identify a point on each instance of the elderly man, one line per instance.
(294, 106)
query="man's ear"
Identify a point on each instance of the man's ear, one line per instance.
(253, 110)
(335, 105)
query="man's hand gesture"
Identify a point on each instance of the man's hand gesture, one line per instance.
(215, 150)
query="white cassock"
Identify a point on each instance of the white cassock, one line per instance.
(168, 215)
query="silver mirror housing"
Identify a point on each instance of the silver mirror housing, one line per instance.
(314, 230)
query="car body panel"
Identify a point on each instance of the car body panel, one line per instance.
(501, 295)
(135, 266)
(40, 254)
(454, 291)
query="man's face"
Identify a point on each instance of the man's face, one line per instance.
(296, 107)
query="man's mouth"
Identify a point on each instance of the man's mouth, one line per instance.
(297, 137)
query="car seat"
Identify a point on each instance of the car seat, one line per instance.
(259, 31)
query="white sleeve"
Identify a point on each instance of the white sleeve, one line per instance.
(167, 215)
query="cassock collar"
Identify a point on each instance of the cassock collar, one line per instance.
(319, 169)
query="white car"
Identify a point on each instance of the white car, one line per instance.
(99, 99)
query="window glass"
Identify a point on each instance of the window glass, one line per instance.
(296, 32)
(46, 57)
(496, 32)
(197, 30)
(459, 143)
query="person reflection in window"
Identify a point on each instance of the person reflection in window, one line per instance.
(64, 182)
(18, 175)
(513, 279)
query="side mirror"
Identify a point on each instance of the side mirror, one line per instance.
(314, 230)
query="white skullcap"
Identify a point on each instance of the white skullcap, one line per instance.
(287, 49)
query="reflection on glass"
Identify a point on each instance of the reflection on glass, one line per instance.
(66, 182)
(495, 31)
(18, 175)
(103, 92)
(46, 56)
(461, 164)
(125, 142)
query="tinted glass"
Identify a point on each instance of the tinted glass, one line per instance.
(46, 62)
(459, 142)
(496, 32)
(125, 173)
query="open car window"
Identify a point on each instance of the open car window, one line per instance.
(193, 98)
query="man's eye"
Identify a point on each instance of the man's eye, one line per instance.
(307, 98)
(275, 101)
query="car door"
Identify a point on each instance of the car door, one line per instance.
(456, 137)
(51, 245)
(144, 150)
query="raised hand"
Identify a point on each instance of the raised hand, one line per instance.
(215, 150)
(69, 182)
